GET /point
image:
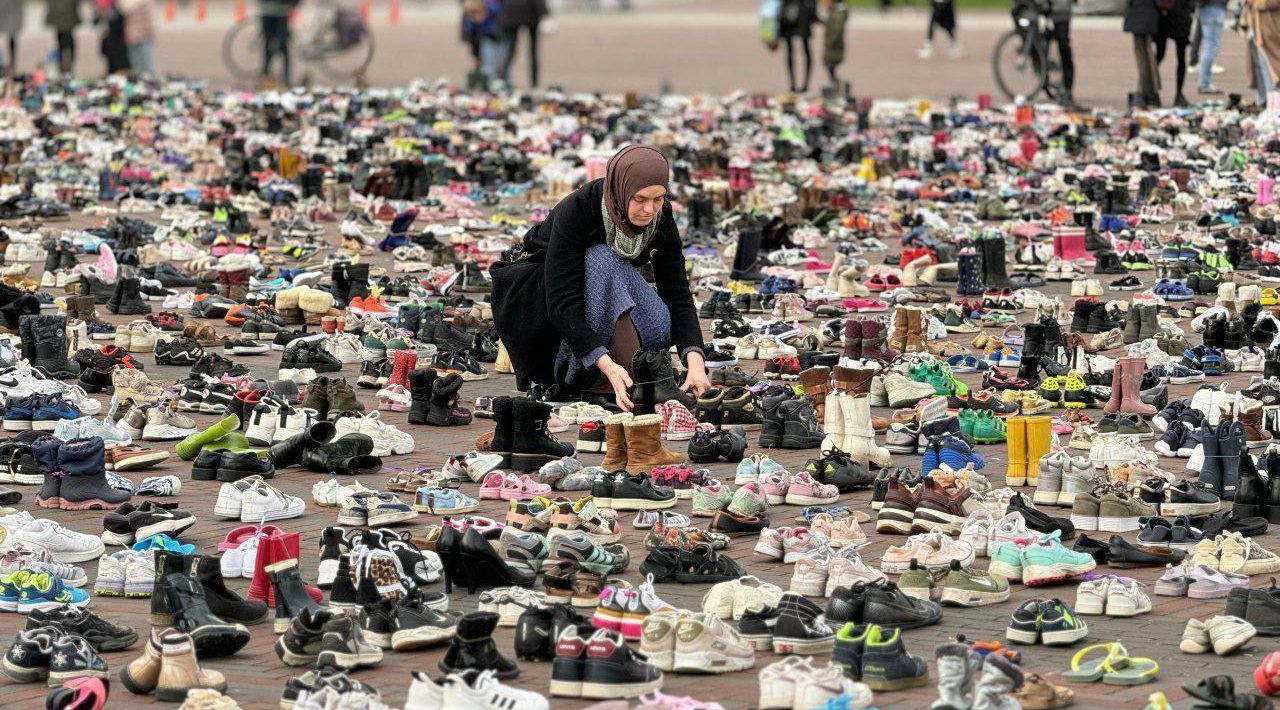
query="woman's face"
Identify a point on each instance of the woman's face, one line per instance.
(645, 205)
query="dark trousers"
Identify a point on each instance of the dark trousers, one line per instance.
(803, 42)
(1148, 77)
(275, 41)
(1062, 38)
(66, 50)
(510, 39)
(1180, 46)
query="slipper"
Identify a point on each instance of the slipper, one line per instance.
(1037, 693)
(1130, 671)
(1088, 671)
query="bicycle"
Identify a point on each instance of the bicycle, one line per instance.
(1021, 61)
(337, 39)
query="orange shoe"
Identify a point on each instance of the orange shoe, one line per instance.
(374, 306)
(356, 306)
(234, 317)
(988, 647)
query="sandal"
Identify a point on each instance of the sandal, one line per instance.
(1130, 671)
(1037, 693)
(1092, 670)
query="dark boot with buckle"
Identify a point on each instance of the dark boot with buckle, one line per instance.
(655, 382)
(167, 563)
(473, 648)
(213, 636)
(532, 444)
(291, 593)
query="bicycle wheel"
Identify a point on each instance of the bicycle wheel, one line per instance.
(1019, 65)
(242, 50)
(348, 63)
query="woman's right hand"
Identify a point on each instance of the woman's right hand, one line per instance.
(618, 379)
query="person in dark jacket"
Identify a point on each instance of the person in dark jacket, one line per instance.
(942, 15)
(514, 16)
(63, 16)
(575, 308)
(795, 24)
(1175, 25)
(1142, 20)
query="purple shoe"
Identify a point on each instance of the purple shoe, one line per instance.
(1211, 584)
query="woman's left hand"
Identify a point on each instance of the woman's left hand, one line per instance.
(696, 379)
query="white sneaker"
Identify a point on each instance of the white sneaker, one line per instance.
(261, 429)
(424, 694)
(292, 421)
(819, 685)
(239, 562)
(486, 692)
(810, 575)
(1008, 529)
(345, 347)
(1126, 598)
(110, 582)
(976, 530)
(265, 502)
(474, 465)
(752, 594)
(778, 682)
(140, 574)
(1091, 596)
(63, 544)
(230, 503)
(387, 439)
(847, 569)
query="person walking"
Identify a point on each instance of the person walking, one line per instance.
(1142, 20)
(942, 16)
(517, 15)
(795, 24)
(1060, 12)
(63, 16)
(274, 18)
(10, 26)
(480, 30)
(1211, 17)
(1263, 19)
(1175, 25)
(115, 52)
(837, 17)
(139, 34)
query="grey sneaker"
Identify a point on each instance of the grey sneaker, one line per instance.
(553, 471)
(1078, 476)
(579, 480)
(1049, 477)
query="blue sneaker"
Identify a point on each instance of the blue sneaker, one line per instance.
(161, 541)
(443, 501)
(50, 410)
(44, 592)
(17, 416)
(11, 589)
(956, 454)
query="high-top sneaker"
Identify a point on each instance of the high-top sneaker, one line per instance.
(611, 669)
(344, 646)
(300, 643)
(800, 430)
(569, 664)
(800, 628)
(886, 665)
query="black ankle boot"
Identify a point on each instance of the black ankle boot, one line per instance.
(289, 452)
(473, 648)
(127, 300)
(1080, 312)
(443, 408)
(291, 593)
(349, 455)
(223, 602)
(532, 445)
(1272, 461)
(503, 429)
(747, 257)
(166, 563)
(213, 636)
(655, 382)
(993, 260)
(421, 383)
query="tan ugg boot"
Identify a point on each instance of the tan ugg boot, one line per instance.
(901, 323)
(314, 300)
(503, 362)
(915, 331)
(179, 670)
(644, 444)
(615, 441)
(817, 383)
(142, 673)
(288, 298)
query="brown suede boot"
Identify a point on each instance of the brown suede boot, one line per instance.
(644, 444)
(86, 310)
(901, 322)
(915, 331)
(1255, 434)
(179, 671)
(817, 383)
(142, 673)
(615, 441)
(341, 397)
(853, 380)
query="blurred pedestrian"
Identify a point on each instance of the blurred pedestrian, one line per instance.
(274, 16)
(139, 34)
(10, 26)
(1142, 20)
(480, 30)
(63, 16)
(1211, 17)
(942, 16)
(837, 18)
(1060, 12)
(1175, 25)
(517, 15)
(115, 53)
(795, 25)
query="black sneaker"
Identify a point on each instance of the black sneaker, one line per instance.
(27, 660)
(300, 643)
(884, 604)
(306, 354)
(284, 337)
(1024, 623)
(344, 646)
(800, 628)
(103, 635)
(73, 657)
(151, 520)
(639, 493)
(612, 670)
(757, 626)
(1059, 625)
(179, 351)
(374, 373)
(260, 330)
(1039, 521)
(377, 622)
(1187, 498)
(886, 665)
(417, 625)
(1127, 283)
(245, 346)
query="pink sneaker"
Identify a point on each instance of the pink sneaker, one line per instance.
(802, 489)
(839, 532)
(775, 486)
(770, 543)
(394, 398)
(801, 543)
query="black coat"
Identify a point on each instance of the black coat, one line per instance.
(1142, 17)
(518, 13)
(796, 18)
(1176, 23)
(538, 299)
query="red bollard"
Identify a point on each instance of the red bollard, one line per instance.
(170, 10)
(239, 10)
(366, 9)
(202, 10)
(394, 12)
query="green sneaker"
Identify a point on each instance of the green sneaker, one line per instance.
(988, 428)
(921, 583)
(1048, 561)
(1006, 561)
(972, 587)
(706, 500)
(968, 418)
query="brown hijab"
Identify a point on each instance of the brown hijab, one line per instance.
(631, 170)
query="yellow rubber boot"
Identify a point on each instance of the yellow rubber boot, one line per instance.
(1016, 475)
(1039, 437)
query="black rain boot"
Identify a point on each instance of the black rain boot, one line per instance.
(127, 300)
(223, 602)
(993, 260)
(747, 257)
(50, 334)
(421, 383)
(166, 563)
(213, 636)
(969, 273)
(341, 285)
(1211, 470)
(349, 455)
(503, 429)
(289, 452)
(1252, 493)
(473, 648)
(1272, 462)
(655, 382)
(1231, 445)
(291, 593)
(444, 409)
(532, 445)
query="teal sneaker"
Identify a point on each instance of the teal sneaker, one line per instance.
(1006, 560)
(11, 589)
(1048, 561)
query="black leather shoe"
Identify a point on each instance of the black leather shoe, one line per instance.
(290, 451)
(1122, 553)
(233, 466)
